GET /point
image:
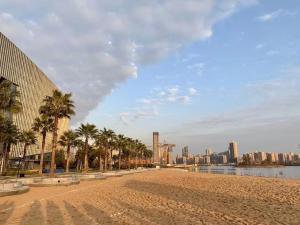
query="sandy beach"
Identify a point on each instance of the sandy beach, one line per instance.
(159, 197)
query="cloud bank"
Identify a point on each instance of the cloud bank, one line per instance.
(91, 47)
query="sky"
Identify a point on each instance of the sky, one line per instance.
(200, 72)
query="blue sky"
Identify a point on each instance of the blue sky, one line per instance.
(242, 51)
(201, 72)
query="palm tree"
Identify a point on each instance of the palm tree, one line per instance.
(120, 142)
(68, 139)
(27, 138)
(148, 154)
(136, 146)
(108, 135)
(100, 145)
(129, 144)
(79, 144)
(9, 98)
(57, 106)
(8, 135)
(9, 104)
(43, 125)
(86, 131)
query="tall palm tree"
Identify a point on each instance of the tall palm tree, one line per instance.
(57, 106)
(87, 131)
(27, 138)
(108, 135)
(69, 140)
(43, 125)
(9, 134)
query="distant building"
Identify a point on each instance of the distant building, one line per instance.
(185, 151)
(289, 157)
(208, 151)
(281, 158)
(262, 156)
(222, 159)
(207, 159)
(271, 157)
(233, 152)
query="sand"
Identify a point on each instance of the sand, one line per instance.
(159, 197)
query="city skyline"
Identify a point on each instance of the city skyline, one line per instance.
(232, 74)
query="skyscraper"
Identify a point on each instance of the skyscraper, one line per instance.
(33, 85)
(233, 152)
(156, 156)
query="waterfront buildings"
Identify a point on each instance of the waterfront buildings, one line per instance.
(162, 153)
(271, 158)
(33, 85)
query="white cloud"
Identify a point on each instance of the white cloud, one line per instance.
(91, 47)
(192, 91)
(259, 46)
(272, 52)
(270, 16)
(198, 67)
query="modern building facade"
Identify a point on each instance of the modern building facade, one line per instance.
(33, 86)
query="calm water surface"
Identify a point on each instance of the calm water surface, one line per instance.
(290, 172)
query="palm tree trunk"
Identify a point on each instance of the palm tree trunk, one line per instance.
(3, 159)
(42, 155)
(119, 159)
(54, 146)
(100, 160)
(24, 155)
(110, 161)
(136, 158)
(129, 161)
(86, 162)
(105, 160)
(68, 159)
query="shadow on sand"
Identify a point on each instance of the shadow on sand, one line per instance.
(54, 215)
(6, 210)
(211, 203)
(34, 215)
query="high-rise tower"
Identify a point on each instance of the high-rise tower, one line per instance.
(156, 157)
(233, 152)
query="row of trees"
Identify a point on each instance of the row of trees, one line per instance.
(91, 144)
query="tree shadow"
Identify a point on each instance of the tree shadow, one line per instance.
(77, 217)
(215, 204)
(98, 215)
(6, 210)
(153, 214)
(54, 215)
(34, 215)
